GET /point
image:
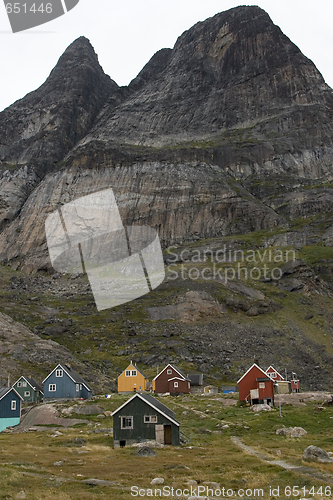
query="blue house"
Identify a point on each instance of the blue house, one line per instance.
(64, 382)
(10, 408)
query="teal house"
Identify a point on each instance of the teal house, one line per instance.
(29, 390)
(10, 408)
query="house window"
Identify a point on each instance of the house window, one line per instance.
(261, 385)
(273, 375)
(19, 384)
(59, 373)
(127, 422)
(80, 387)
(169, 371)
(150, 419)
(24, 384)
(26, 394)
(133, 373)
(77, 387)
(175, 384)
(52, 387)
(128, 373)
(13, 405)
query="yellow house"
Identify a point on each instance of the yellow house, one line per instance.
(132, 380)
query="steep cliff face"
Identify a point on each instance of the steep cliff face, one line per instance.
(234, 80)
(191, 146)
(37, 131)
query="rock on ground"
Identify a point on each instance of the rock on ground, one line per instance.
(316, 454)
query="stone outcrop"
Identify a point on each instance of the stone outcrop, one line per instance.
(193, 146)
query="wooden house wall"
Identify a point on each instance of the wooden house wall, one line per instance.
(141, 431)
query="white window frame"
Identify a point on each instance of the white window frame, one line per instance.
(150, 419)
(133, 373)
(175, 384)
(77, 387)
(26, 394)
(169, 371)
(262, 385)
(273, 374)
(127, 373)
(59, 373)
(80, 387)
(122, 420)
(24, 384)
(13, 405)
(19, 384)
(52, 387)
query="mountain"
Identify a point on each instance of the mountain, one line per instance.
(37, 131)
(225, 138)
(185, 146)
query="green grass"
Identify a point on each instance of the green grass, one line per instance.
(27, 460)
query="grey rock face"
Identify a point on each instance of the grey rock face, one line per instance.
(187, 147)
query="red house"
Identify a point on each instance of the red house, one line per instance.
(256, 387)
(274, 374)
(172, 380)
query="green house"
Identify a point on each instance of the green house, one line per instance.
(143, 418)
(29, 390)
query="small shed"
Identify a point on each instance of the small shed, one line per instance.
(132, 380)
(29, 389)
(63, 383)
(256, 387)
(172, 380)
(211, 389)
(10, 407)
(144, 418)
(295, 385)
(196, 382)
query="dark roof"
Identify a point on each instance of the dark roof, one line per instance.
(34, 384)
(180, 372)
(160, 406)
(75, 376)
(4, 390)
(195, 378)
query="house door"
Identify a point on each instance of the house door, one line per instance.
(167, 434)
(159, 433)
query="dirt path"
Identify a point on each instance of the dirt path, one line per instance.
(304, 471)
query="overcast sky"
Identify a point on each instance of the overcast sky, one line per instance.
(126, 33)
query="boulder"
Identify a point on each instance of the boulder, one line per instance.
(146, 451)
(291, 432)
(316, 454)
(157, 480)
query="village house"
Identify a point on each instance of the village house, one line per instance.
(256, 387)
(64, 382)
(171, 380)
(29, 390)
(274, 374)
(144, 418)
(282, 385)
(132, 380)
(10, 408)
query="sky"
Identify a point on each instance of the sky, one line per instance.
(126, 33)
